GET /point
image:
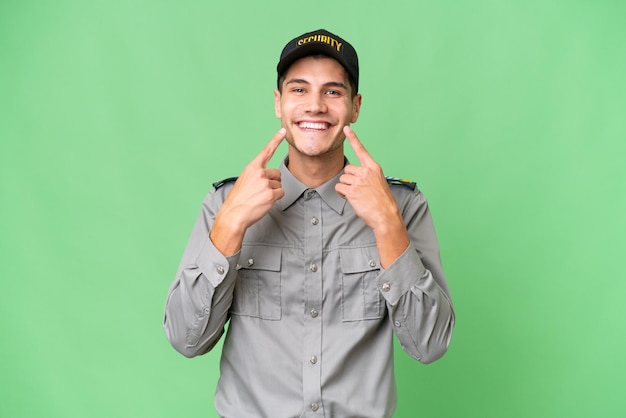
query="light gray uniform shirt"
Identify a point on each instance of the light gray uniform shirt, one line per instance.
(312, 313)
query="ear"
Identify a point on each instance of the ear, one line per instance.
(356, 108)
(277, 110)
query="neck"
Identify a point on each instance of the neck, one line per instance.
(314, 171)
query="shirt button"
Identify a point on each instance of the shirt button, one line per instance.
(314, 407)
(313, 267)
(396, 323)
(314, 220)
(314, 313)
(313, 359)
(386, 287)
(250, 262)
(220, 269)
(372, 263)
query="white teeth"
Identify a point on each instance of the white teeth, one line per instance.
(312, 125)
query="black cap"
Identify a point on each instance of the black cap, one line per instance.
(320, 42)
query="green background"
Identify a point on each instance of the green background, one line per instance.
(116, 116)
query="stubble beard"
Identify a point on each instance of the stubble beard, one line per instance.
(322, 153)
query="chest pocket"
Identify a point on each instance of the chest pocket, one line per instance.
(360, 297)
(258, 283)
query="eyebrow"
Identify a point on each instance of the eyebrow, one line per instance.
(328, 84)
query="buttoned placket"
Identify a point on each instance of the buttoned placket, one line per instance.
(311, 356)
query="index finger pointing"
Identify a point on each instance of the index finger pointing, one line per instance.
(359, 150)
(268, 150)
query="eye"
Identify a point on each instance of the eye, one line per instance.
(335, 92)
(298, 90)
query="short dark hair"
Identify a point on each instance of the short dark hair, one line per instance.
(353, 90)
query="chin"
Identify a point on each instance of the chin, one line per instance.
(314, 150)
(314, 144)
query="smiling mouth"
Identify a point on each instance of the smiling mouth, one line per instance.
(317, 126)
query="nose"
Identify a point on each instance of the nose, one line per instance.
(316, 104)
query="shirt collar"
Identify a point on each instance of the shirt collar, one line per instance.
(294, 189)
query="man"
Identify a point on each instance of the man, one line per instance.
(315, 264)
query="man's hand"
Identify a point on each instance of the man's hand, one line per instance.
(367, 191)
(251, 198)
(365, 186)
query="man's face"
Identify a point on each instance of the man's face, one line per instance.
(314, 106)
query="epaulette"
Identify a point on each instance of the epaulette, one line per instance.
(401, 182)
(220, 183)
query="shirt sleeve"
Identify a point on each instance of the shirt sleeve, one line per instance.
(415, 288)
(199, 299)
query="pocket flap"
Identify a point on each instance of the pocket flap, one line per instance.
(260, 258)
(357, 260)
